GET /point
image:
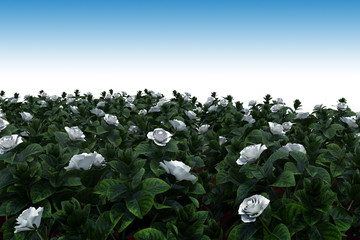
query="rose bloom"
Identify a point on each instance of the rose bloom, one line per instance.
(276, 107)
(252, 207)
(190, 114)
(133, 129)
(180, 170)
(9, 142)
(85, 161)
(75, 134)
(276, 129)
(341, 106)
(287, 126)
(250, 154)
(224, 102)
(3, 124)
(111, 119)
(26, 116)
(252, 103)
(178, 125)
(28, 218)
(203, 128)
(212, 109)
(248, 118)
(209, 101)
(142, 112)
(350, 121)
(159, 136)
(302, 115)
(98, 112)
(317, 107)
(293, 147)
(222, 140)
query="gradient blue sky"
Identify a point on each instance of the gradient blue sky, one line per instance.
(291, 49)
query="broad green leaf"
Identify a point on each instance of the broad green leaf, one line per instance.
(197, 188)
(111, 188)
(40, 191)
(280, 232)
(341, 218)
(336, 169)
(301, 160)
(6, 178)
(244, 231)
(286, 179)
(62, 138)
(155, 185)
(319, 172)
(136, 180)
(329, 231)
(335, 151)
(268, 165)
(149, 234)
(331, 132)
(12, 206)
(140, 203)
(30, 150)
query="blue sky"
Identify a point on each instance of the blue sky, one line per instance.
(291, 49)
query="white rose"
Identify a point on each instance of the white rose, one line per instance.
(279, 101)
(203, 128)
(287, 126)
(42, 103)
(178, 125)
(75, 134)
(130, 99)
(28, 218)
(154, 109)
(341, 106)
(142, 112)
(70, 100)
(100, 104)
(222, 140)
(108, 96)
(276, 107)
(250, 154)
(357, 115)
(111, 119)
(350, 121)
(54, 97)
(133, 129)
(26, 116)
(245, 111)
(24, 134)
(131, 106)
(190, 114)
(161, 102)
(212, 109)
(248, 118)
(85, 161)
(3, 124)
(252, 103)
(13, 100)
(159, 136)
(98, 112)
(74, 109)
(9, 142)
(224, 102)
(117, 95)
(293, 147)
(252, 207)
(302, 115)
(180, 170)
(70, 95)
(318, 107)
(124, 93)
(276, 129)
(209, 101)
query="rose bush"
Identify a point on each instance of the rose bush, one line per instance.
(235, 175)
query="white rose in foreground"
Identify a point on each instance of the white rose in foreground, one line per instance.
(75, 134)
(248, 118)
(276, 129)
(212, 109)
(203, 128)
(222, 140)
(178, 125)
(142, 112)
(209, 101)
(26, 116)
(111, 119)
(28, 218)
(74, 109)
(3, 124)
(133, 129)
(9, 142)
(98, 112)
(350, 121)
(252, 103)
(276, 107)
(287, 126)
(293, 147)
(159, 136)
(341, 106)
(85, 161)
(302, 115)
(190, 114)
(224, 102)
(180, 170)
(252, 207)
(250, 154)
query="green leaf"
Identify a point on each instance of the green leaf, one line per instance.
(136, 180)
(12, 206)
(301, 160)
(197, 188)
(319, 172)
(243, 190)
(243, 231)
(172, 146)
(144, 149)
(195, 201)
(62, 138)
(341, 218)
(149, 234)
(286, 179)
(331, 132)
(119, 167)
(155, 185)
(268, 165)
(328, 231)
(30, 150)
(111, 188)
(126, 220)
(280, 232)
(100, 130)
(140, 203)
(335, 151)
(40, 191)
(6, 178)
(312, 217)
(104, 226)
(336, 169)
(290, 166)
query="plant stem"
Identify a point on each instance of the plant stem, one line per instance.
(351, 203)
(264, 225)
(41, 236)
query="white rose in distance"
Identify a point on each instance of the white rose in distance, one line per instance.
(159, 136)
(248, 118)
(209, 101)
(178, 125)
(222, 140)
(302, 115)
(133, 129)
(74, 109)
(28, 218)
(142, 112)
(279, 101)
(26, 116)
(350, 121)
(190, 114)
(100, 104)
(3, 124)
(9, 142)
(341, 106)
(252, 103)
(250, 154)
(252, 207)
(98, 112)
(203, 128)
(154, 109)
(75, 134)
(357, 115)
(293, 147)
(180, 170)
(85, 161)
(212, 109)
(131, 106)
(287, 126)
(276, 129)
(224, 102)
(276, 107)
(111, 119)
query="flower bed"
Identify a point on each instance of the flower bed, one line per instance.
(146, 167)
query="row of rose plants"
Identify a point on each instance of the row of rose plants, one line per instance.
(75, 167)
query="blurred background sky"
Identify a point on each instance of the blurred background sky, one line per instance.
(305, 49)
